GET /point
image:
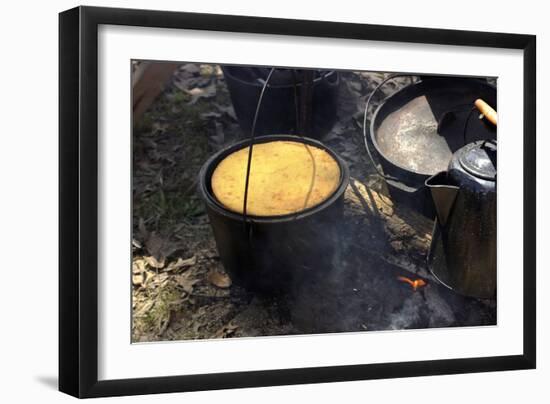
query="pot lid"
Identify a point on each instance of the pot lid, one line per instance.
(480, 159)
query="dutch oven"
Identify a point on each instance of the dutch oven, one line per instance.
(274, 254)
(280, 109)
(415, 131)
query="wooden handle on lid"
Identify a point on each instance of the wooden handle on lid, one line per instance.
(487, 111)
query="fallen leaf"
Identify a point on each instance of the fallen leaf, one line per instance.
(160, 127)
(226, 331)
(207, 70)
(138, 266)
(181, 263)
(136, 244)
(185, 83)
(186, 281)
(161, 279)
(145, 308)
(137, 280)
(153, 262)
(219, 279)
(198, 93)
(212, 114)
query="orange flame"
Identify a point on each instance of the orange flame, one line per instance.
(417, 283)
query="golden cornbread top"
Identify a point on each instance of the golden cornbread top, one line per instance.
(285, 177)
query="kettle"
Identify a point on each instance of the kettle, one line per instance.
(462, 253)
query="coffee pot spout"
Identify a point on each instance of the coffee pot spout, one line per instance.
(443, 194)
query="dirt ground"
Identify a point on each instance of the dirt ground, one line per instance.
(180, 289)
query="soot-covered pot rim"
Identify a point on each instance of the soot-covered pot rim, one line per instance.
(209, 166)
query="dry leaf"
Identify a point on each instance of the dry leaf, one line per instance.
(145, 308)
(153, 262)
(211, 114)
(226, 331)
(137, 280)
(186, 281)
(219, 279)
(198, 93)
(180, 263)
(136, 244)
(138, 266)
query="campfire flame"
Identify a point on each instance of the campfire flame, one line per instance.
(417, 283)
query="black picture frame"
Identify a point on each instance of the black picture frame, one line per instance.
(78, 201)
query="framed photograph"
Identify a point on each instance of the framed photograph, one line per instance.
(253, 201)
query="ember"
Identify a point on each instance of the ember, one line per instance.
(417, 283)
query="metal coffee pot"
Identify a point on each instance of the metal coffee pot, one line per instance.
(462, 254)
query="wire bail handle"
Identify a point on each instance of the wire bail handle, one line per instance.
(365, 140)
(265, 85)
(252, 137)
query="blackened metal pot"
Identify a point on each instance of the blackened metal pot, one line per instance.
(415, 131)
(463, 251)
(279, 107)
(275, 254)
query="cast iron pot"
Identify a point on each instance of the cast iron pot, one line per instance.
(275, 254)
(434, 102)
(278, 114)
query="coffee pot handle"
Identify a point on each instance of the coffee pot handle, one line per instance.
(486, 110)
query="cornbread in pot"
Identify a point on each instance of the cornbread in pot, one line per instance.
(285, 177)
